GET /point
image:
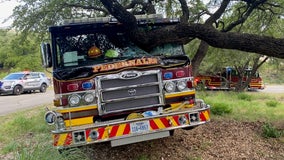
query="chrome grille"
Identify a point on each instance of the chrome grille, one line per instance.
(129, 90)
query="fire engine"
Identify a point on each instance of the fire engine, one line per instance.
(107, 89)
(227, 80)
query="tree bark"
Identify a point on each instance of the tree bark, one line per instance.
(264, 45)
(199, 56)
(183, 33)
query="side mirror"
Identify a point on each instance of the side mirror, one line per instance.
(46, 55)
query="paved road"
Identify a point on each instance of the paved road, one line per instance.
(11, 103)
(273, 89)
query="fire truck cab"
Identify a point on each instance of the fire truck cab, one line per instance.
(108, 89)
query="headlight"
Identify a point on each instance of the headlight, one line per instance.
(74, 99)
(50, 117)
(181, 85)
(89, 97)
(170, 86)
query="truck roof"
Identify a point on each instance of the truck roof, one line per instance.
(104, 23)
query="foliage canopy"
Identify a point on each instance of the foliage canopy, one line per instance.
(246, 25)
(36, 16)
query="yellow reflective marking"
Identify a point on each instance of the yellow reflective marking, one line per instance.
(107, 132)
(66, 110)
(174, 123)
(206, 114)
(79, 121)
(175, 105)
(120, 130)
(89, 139)
(61, 140)
(172, 95)
(159, 123)
(255, 84)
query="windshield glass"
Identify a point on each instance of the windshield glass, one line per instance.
(96, 48)
(14, 76)
(249, 72)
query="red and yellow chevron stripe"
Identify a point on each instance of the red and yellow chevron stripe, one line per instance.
(106, 133)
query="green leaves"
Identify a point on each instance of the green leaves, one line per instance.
(19, 54)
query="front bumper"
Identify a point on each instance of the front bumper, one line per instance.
(120, 132)
(5, 90)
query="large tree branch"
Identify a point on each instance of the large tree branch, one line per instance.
(185, 12)
(240, 41)
(251, 6)
(147, 7)
(121, 14)
(214, 17)
(180, 33)
(203, 46)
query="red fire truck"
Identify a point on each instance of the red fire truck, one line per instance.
(107, 89)
(227, 80)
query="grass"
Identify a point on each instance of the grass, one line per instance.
(248, 106)
(24, 135)
(27, 137)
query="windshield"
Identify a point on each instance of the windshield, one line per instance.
(14, 76)
(249, 72)
(96, 48)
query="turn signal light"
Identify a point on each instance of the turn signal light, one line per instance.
(180, 74)
(72, 87)
(189, 84)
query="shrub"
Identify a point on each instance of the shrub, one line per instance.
(244, 96)
(221, 109)
(272, 103)
(269, 131)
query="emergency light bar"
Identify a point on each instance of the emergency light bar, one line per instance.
(110, 19)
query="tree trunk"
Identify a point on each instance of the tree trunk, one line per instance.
(199, 56)
(241, 86)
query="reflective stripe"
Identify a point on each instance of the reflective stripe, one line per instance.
(76, 109)
(106, 133)
(79, 121)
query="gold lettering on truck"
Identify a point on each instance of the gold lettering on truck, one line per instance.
(124, 64)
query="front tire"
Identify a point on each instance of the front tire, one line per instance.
(43, 88)
(17, 90)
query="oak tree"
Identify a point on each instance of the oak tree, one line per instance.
(215, 22)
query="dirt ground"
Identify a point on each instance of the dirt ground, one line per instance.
(217, 140)
(228, 140)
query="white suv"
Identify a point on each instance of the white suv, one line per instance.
(19, 82)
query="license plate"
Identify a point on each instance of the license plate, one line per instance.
(139, 127)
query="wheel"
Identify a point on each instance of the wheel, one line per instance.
(43, 88)
(17, 90)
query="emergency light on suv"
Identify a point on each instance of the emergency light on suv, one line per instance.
(19, 82)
